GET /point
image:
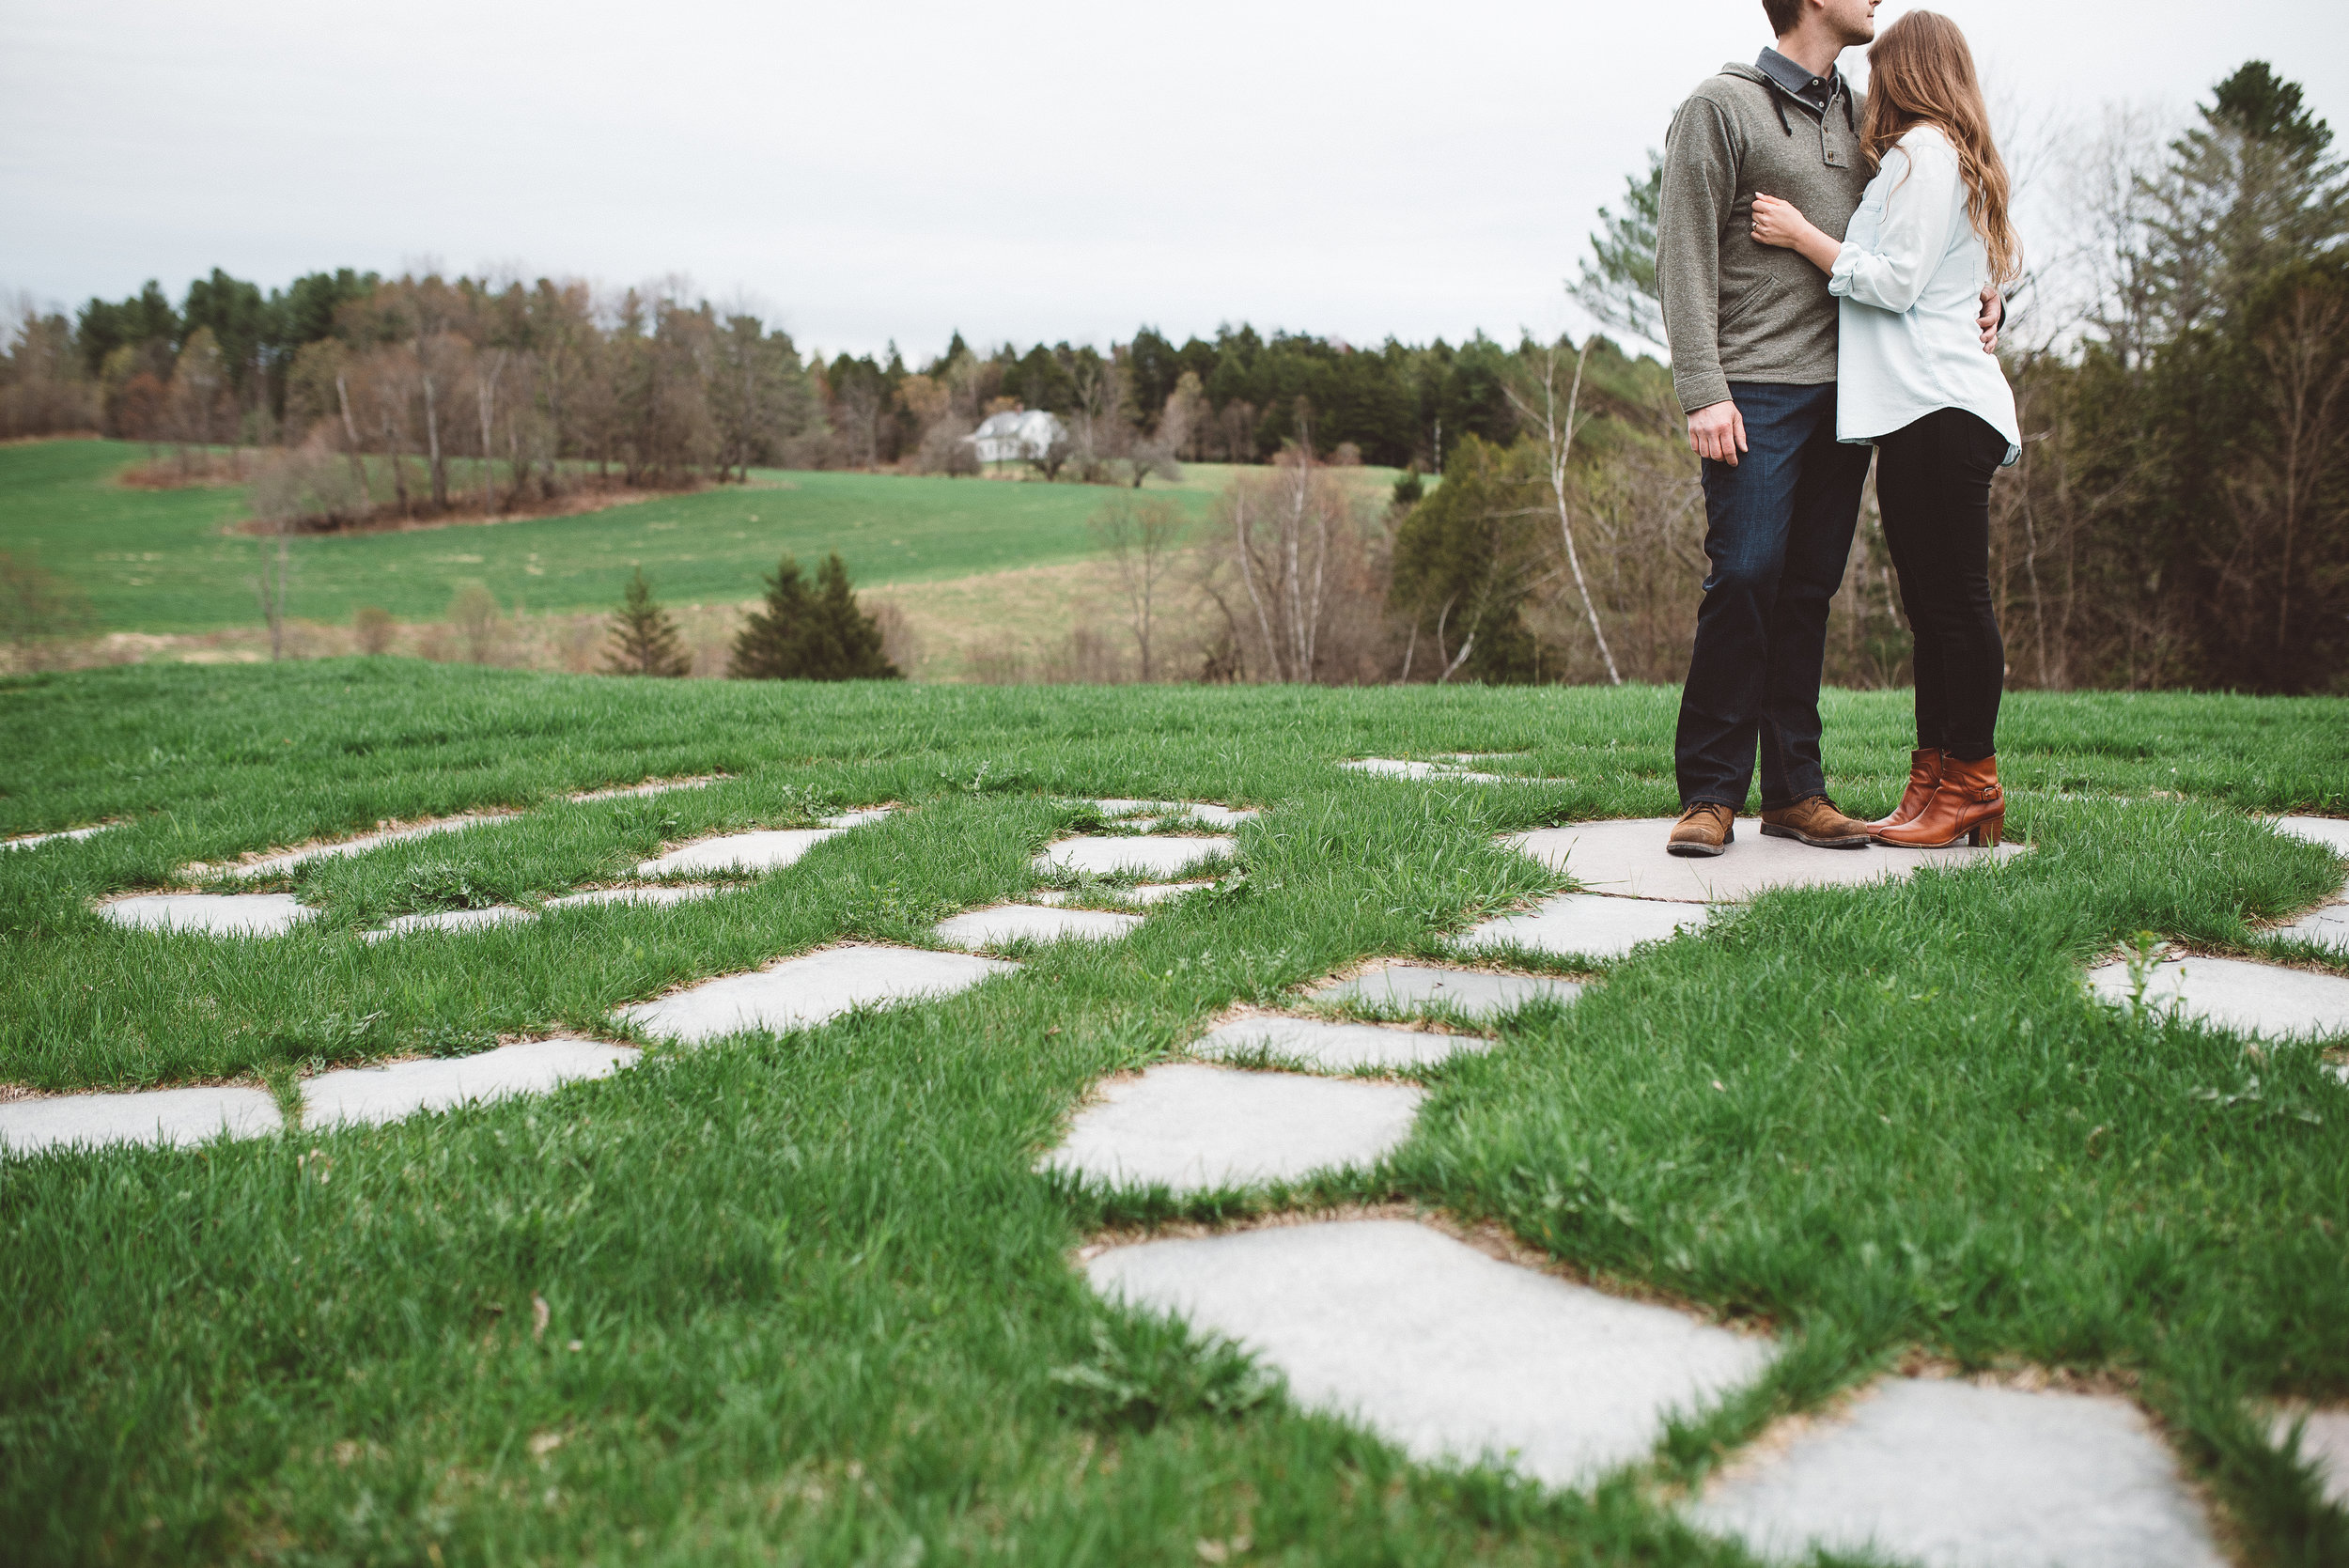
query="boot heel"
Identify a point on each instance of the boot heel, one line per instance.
(1987, 831)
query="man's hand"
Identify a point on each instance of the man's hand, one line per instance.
(1993, 314)
(1718, 431)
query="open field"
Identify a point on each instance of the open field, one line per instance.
(805, 1296)
(165, 562)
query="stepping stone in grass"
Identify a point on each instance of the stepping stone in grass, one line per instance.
(1149, 856)
(1193, 1128)
(1958, 1476)
(1422, 988)
(1439, 1349)
(1627, 859)
(387, 1093)
(2324, 1442)
(274, 864)
(28, 841)
(1587, 925)
(1441, 772)
(2330, 831)
(2325, 927)
(769, 850)
(218, 914)
(1333, 1047)
(655, 786)
(157, 1116)
(1010, 923)
(813, 988)
(673, 893)
(1142, 893)
(2234, 993)
(448, 920)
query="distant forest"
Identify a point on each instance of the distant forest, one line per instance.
(659, 384)
(2179, 350)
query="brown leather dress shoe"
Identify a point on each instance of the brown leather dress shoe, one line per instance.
(1703, 828)
(1967, 803)
(1815, 820)
(1924, 771)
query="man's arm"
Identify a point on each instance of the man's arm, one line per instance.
(1698, 188)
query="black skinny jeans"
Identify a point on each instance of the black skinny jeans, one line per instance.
(1933, 483)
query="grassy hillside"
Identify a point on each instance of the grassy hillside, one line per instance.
(161, 562)
(807, 1299)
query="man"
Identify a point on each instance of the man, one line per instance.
(1753, 334)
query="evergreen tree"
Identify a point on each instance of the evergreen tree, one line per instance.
(804, 635)
(644, 638)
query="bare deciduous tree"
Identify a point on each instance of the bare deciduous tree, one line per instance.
(1143, 536)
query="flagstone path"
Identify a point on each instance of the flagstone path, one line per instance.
(1397, 767)
(653, 786)
(1454, 1355)
(273, 865)
(1427, 1339)
(1946, 1472)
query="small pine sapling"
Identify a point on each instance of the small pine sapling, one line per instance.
(644, 638)
(804, 635)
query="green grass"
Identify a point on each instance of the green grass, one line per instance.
(161, 560)
(821, 1296)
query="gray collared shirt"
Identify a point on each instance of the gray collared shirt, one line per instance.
(1820, 92)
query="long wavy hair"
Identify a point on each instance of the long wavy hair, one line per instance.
(1921, 73)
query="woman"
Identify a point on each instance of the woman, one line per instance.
(1911, 377)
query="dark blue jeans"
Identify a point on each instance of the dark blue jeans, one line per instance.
(1778, 533)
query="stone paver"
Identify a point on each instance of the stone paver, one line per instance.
(1439, 1349)
(387, 1093)
(769, 850)
(671, 892)
(1333, 1047)
(1951, 1475)
(2234, 993)
(2323, 1441)
(157, 1116)
(1007, 922)
(273, 864)
(1141, 893)
(1396, 768)
(448, 920)
(1193, 1128)
(2325, 927)
(799, 993)
(219, 914)
(1587, 925)
(1206, 811)
(1470, 993)
(656, 787)
(28, 841)
(2330, 831)
(1150, 857)
(1627, 859)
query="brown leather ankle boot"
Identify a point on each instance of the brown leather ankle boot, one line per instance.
(1924, 771)
(1967, 803)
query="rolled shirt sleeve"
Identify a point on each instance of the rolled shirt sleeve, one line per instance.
(1920, 206)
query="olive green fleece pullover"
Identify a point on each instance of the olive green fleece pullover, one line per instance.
(1735, 310)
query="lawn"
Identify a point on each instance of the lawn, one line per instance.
(807, 1299)
(162, 561)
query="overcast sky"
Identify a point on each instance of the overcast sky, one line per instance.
(1044, 170)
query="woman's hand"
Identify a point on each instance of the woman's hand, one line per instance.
(1782, 223)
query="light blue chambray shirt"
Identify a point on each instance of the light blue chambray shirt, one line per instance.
(1910, 286)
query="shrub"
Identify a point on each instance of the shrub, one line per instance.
(39, 610)
(373, 625)
(472, 614)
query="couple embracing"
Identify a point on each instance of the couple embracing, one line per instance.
(1830, 265)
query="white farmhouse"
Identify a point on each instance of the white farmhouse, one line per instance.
(1022, 436)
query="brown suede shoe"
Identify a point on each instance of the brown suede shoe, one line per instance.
(1816, 821)
(1703, 828)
